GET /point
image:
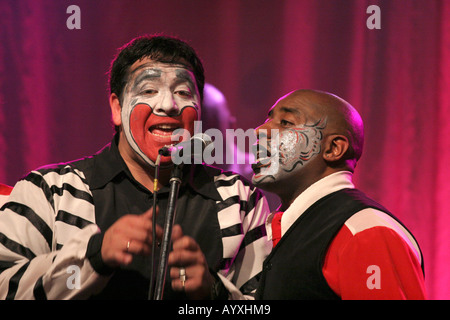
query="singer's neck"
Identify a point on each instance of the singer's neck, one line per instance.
(141, 171)
(146, 176)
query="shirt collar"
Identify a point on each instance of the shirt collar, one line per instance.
(108, 164)
(325, 186)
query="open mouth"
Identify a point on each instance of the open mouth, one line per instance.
(262, 159)
(163, 129)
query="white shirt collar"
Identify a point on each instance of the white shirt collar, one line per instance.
(331, 183)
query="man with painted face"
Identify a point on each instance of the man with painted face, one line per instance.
(330, 240)
(83, 229)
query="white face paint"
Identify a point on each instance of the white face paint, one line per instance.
(158, 99)
(289, 150)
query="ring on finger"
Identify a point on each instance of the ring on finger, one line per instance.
(183, 276)
(128, 245)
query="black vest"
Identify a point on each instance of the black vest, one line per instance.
(293, 270)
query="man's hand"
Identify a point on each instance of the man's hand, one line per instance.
(131, 234)
(188, 255)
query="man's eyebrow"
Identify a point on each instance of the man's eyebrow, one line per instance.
(184, 75)
(152, 73)
(149, 73)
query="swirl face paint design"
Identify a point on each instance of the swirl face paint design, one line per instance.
(159, 98)
(289, 149)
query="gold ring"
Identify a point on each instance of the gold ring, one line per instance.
(128, 245)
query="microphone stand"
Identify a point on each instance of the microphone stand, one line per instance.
(175, 182)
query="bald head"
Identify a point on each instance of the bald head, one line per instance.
(342, 117)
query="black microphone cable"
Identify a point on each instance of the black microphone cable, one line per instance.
(155, 193)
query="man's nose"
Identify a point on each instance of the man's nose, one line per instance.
(168, 106)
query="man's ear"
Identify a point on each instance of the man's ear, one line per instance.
(335, 147)
(116, 109)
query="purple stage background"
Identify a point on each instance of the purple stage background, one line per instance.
(54, 99)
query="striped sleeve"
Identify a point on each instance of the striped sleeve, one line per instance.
(44, 229)
(241, 214)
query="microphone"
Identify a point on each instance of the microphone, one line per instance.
(192, 148)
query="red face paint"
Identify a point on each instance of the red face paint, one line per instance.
(151, 132)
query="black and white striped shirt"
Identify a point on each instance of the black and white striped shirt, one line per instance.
(54, 212)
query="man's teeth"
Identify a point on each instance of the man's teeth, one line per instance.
(165, 126)
(262, 154)
(264, 161)
(163, 130)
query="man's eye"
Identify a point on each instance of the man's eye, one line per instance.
(184, 93)
(149, 91)
(285, 123)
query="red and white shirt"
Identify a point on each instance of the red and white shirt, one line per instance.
(371, 257)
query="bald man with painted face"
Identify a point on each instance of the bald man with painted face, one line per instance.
(330, 241)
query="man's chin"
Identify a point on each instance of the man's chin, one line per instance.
(166, 161)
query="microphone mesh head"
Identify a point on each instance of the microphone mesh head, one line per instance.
(206, 140)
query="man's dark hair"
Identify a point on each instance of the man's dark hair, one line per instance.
(158, 48)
